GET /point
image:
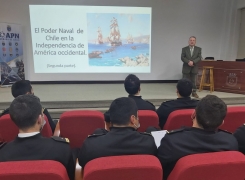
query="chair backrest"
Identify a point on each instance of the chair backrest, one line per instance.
(9, 131)
(179, 118)
(33, 170)
(135, 167)
(46, 131)
(77, 125)
(225, 165)
(147, 118)
(235, 118)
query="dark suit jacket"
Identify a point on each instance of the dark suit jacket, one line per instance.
(187, 141)
(39, 148)
(186, 57)
(169, 106)
(118, 141)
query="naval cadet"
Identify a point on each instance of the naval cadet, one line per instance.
(122, 139)
(184, 89)
(132, 87)
(202, 137)
(26, 113)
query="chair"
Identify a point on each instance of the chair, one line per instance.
(135, 167)
(235, 118)
(147, 118)
(77, 125)
(33, 170)
(179, 118)
(225, 165)
(9, 131)
(211, 78)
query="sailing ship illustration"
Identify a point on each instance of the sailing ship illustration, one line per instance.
(130, 39)
(114, 37)
(100, 37)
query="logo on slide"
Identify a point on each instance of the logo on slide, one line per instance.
(10, 49)
(11, 55)
(16, 44)
(2, 34)
(3, 43)
(9, 28)
(10, 44)
(4, 49)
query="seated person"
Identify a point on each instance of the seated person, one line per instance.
(122, 139)
(26, 113)
(24, 87)
(202, 137)
(240, 136)
(132, 86)
(184, 90)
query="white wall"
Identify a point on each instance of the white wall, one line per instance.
(240, 4)
(173, 22)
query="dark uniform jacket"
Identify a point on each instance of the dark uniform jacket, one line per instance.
(118, 141)
(186, 141)
(45, 111)
(39, 148)
(186, 57)
(141, 104)
(169, 106)
(240, 136)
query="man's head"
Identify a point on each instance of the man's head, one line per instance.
(124, 112)
(21, 87)
(210, 112)
(184, 88)
(26, 112)
(132, 84)
(192, 41)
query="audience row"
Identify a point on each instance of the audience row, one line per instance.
(121, 137)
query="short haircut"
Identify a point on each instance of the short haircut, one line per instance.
(210, 112)
(121, 110)
(132, 84)
(21, 87)
(193, 37)
(24, 110)
(184, 87)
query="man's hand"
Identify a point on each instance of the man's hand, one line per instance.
(190, 63)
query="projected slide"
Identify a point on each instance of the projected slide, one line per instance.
(91, 39)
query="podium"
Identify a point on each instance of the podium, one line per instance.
(229, 76)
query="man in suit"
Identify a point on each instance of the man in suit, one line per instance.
(24, 87)
(203, 137)
(26, 112)
(191, 55)
(132, 86)
(122, 139)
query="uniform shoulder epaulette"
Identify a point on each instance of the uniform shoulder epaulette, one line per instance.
(225, 131)
(60, 139)
(145, 133)
(96, 135)
(175, 131)
(2, 144)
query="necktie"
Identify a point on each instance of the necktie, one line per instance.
(191, 51)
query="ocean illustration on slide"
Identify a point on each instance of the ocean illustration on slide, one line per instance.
(119, 39)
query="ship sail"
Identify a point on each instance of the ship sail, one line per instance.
(100, 37)
(130, 39)
(114, 36)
